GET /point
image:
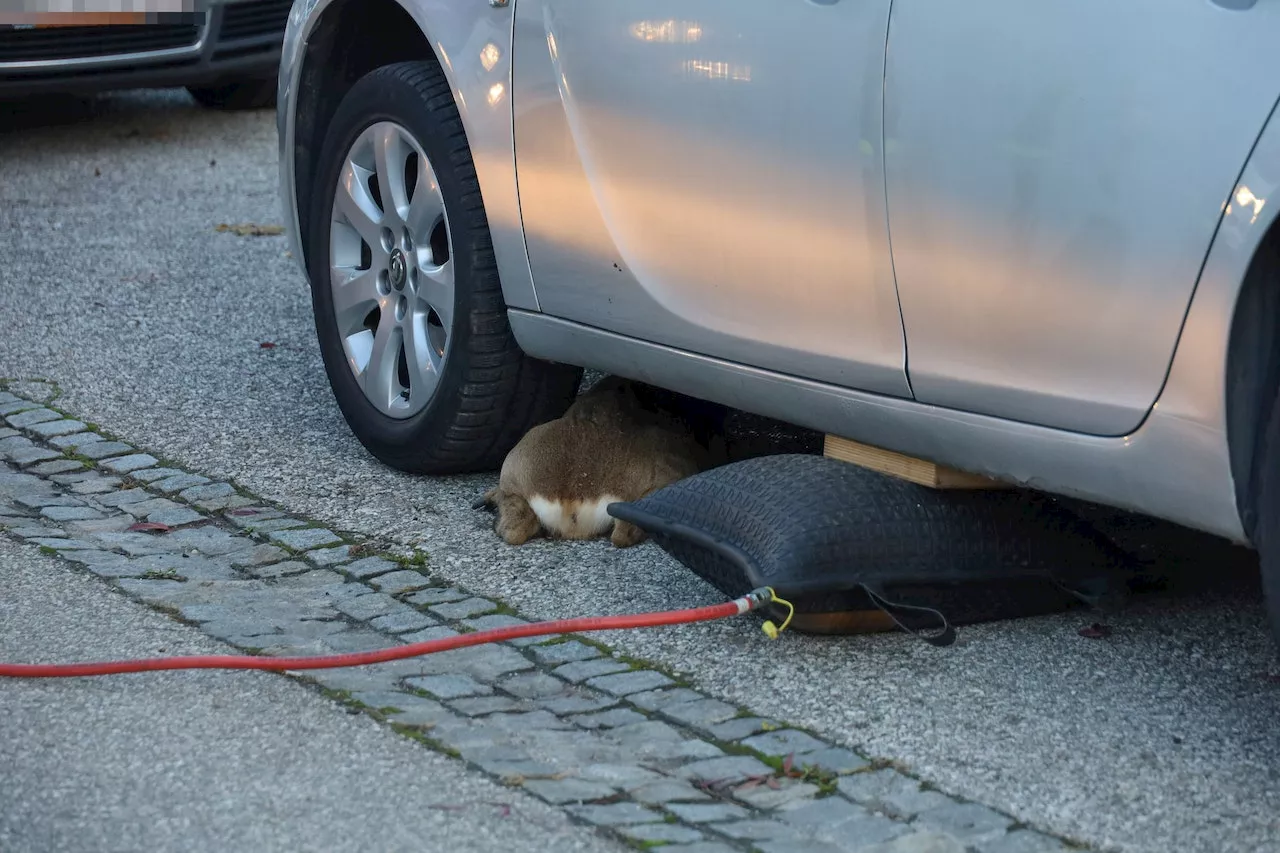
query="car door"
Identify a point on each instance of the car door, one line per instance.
(1056, 172)
(707, 174)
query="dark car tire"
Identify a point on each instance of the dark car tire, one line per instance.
(255, 94)
(1266, 534)
(489, 393)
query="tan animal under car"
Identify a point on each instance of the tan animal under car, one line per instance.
(609, 446)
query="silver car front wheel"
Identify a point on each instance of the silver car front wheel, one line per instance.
(391, 269)
(408, 305)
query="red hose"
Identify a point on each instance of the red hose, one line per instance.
(749, 602)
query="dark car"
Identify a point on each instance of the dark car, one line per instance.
(227, 55)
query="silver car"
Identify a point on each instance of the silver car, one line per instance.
(1027, 240)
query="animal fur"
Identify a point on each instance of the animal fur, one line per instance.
(618, 442)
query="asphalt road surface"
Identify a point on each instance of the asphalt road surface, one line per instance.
(115, 284)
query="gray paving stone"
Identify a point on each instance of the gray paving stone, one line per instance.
(257, 555)
(1024, 841)
(668, 791)
(75, 440)
(436, 632)
(270, 525)
(579, 671)
(891, 792)
(706, 812)
(277, 570)
(758, 829)
(68, 513)
(130, 463)
(65, 544)
(559, 792)
(16, 406)
(205, 491)
(7, 432)
(626, 683)
(330, 556)
(401, 621)
(666, 833)
(305, 539)
(464, 609)
(232, 501)
(766, 798)
(834, 759)
(395, 583)
(93, 558)
(148, 475)
(24, 456)
(56, 466)
(175, 517)
(125, 496)
(836, 817)
(356, 640)
(49, 429)
(728, 768)
(529, 721)
(918, 842)
(43, 499)
(475, 706)
(565, 652)
(608, 719)
(968, 821)
(97, 485)
(484, 663)
(31, 417)
(783, 742)
(449, 686)
(103, 449)
(653, 700)
(179, 482)
(210, 540)
(578, 701)
(142, 509)
(369, 567)
(246, 516)
(369, 606)
(618, 775)
(311, 579)
(533, 685)
(803, 846)
(67, 478)
(14, 442)
(437, 595)
(502, 620)
(615, 814)
(701, 713)
(738, 728)
(426, 714)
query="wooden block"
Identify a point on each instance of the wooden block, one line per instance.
(905, 467)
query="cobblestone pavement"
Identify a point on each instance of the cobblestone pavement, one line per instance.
(616, 743)
(197, 346)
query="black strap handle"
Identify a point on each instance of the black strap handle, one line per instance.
(944, 636)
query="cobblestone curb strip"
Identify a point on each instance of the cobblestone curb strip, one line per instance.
(620, 745)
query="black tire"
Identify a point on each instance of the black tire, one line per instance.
(489, 392)
(255, 94)
(1266, 536)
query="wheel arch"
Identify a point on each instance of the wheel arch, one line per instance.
(330, 44)
(1253, 369)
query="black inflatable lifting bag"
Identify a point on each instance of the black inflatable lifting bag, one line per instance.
(856, 550)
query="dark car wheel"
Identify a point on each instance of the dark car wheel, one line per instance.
(254, 94)
(408, 306)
